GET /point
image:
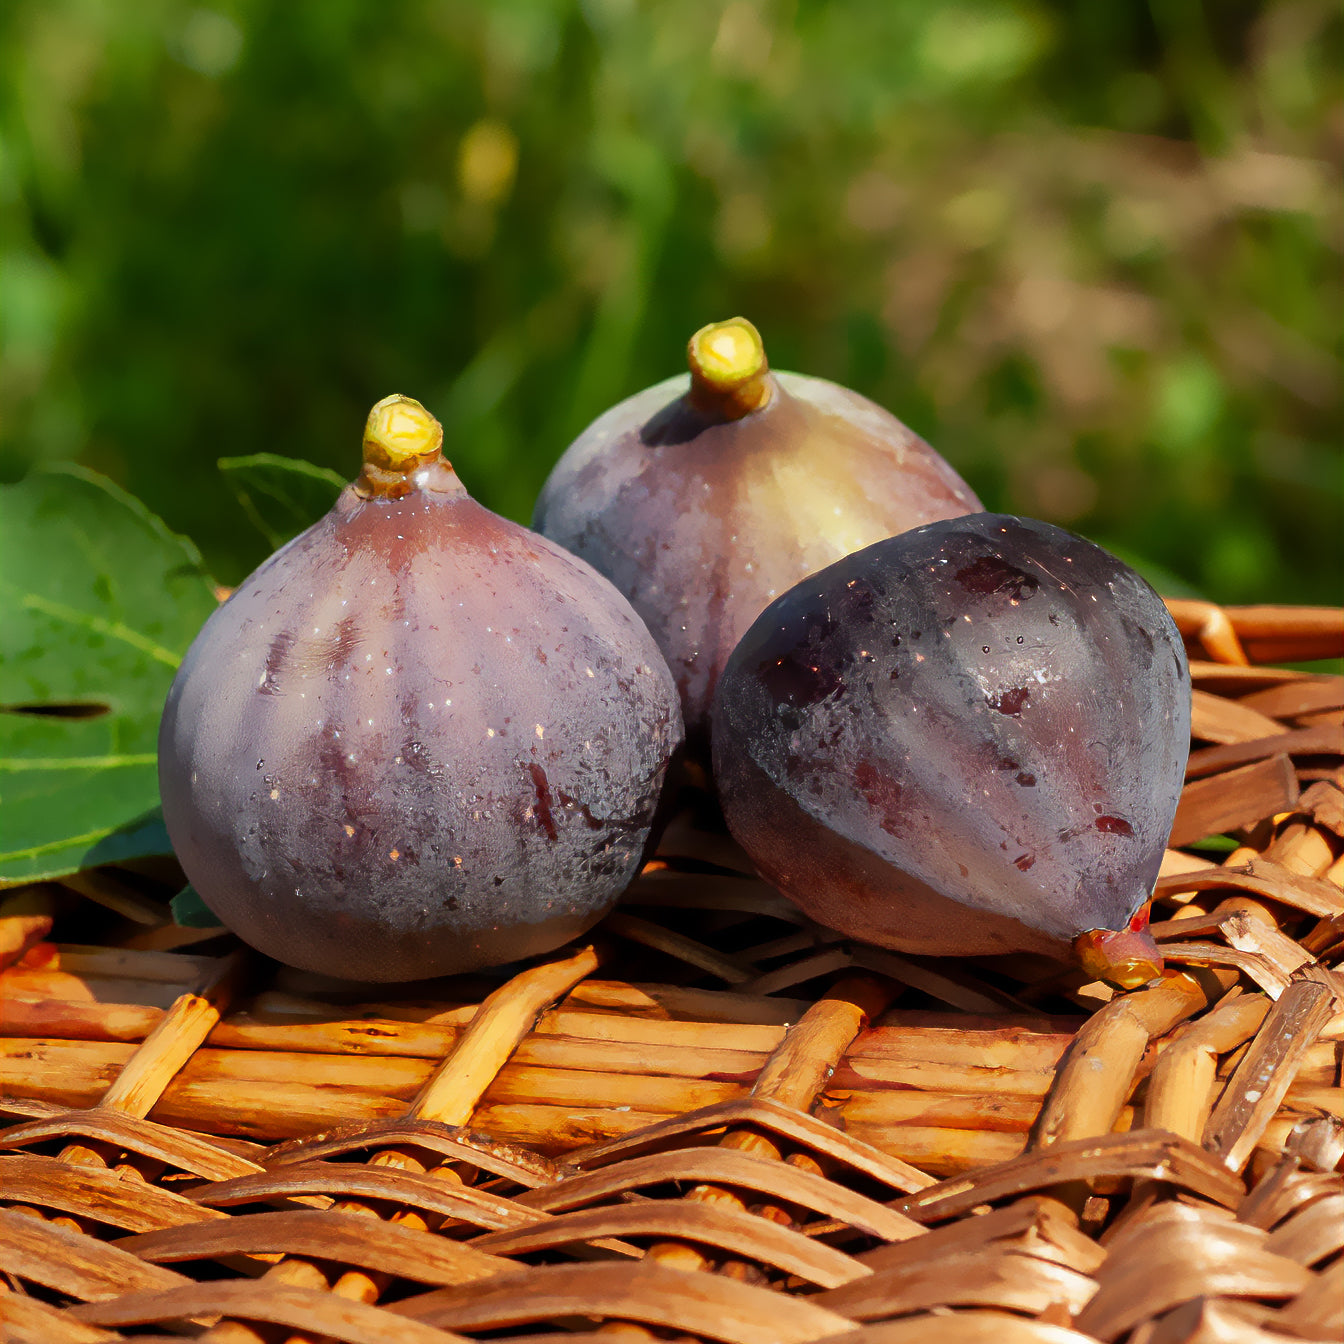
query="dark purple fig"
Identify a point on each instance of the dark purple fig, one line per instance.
(703, 499)
(967, 739)
(420, 739)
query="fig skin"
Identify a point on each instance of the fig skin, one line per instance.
(968, 739)
(418, 740)
(706, 496)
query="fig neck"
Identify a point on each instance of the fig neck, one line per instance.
(430, 478)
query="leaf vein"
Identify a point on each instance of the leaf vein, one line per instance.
(100, 625)
(87, 839)
(13, 763)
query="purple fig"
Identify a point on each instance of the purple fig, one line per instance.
(419, 739)
(967, 739)
(703, 499)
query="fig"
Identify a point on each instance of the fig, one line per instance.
(704, 498)
(419, 739)
(964, 740)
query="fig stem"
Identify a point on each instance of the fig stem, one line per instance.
(400, 434)
(400, 437)
(1126, 958)
(730, 376)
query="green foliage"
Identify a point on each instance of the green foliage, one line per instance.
(1084, 249)
(280, 495)
(99, 603)
(190, 912)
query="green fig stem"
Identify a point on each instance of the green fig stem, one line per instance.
(1127, 958)
(730, 376)
(400, 439)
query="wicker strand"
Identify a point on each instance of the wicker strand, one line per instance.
(684, 1110)
(450, 1096)
(157, 1061)
(794, 1075)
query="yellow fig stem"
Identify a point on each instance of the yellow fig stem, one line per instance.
(400, 434)
(400, 438)
(730, 376)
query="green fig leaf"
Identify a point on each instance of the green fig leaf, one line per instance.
(282, 496)
(190, 912)
(98, 603)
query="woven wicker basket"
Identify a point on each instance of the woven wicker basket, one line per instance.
(717, 1122)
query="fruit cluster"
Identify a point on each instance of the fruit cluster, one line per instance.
(422, 739)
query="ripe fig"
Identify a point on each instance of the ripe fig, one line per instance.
(967, 739)
(703, 499)
(419, 739)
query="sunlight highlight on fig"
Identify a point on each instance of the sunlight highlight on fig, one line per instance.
(705, 497)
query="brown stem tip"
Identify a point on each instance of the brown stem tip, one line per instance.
(1126, 958)
(730, 376)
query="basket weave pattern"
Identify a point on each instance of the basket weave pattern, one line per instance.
(718, 1121)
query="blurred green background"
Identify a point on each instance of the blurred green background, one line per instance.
(1091, 252)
